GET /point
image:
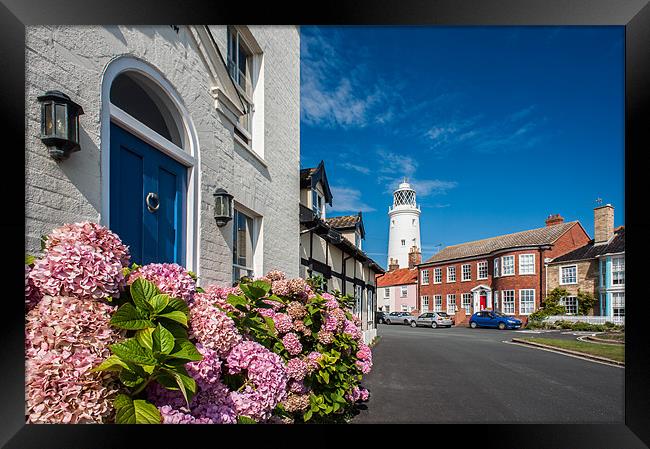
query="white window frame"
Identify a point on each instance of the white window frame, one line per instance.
(561, 277)
(528, 310)
(508, 294)
(437, 303)
(496, 268)
(386, 292)
(425, 277)
(618, 298)
(450, 270)
(563, 301)
(425, 302)
(468, 272)
(522, 266)
(466, 303)
(437, 274)
(254, 262)
(451, 296)
(503, 265)
(621, 271)
(405, 307)
(479, 265)
(403, 291)
(495, 300)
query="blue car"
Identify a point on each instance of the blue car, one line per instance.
(491, 318)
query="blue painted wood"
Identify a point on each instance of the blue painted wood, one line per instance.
(137, 169)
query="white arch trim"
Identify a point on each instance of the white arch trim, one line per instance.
(189, 156)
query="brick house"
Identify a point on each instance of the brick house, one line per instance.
(505, 273)
(597, 268)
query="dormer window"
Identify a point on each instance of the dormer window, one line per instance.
(318, 204)
(357, 239)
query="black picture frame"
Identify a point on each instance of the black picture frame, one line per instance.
(634, 15)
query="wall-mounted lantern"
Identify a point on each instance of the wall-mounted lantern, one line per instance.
(59, 124)
(223, 210)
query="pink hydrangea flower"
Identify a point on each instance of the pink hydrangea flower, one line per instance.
(32, 294)
(170, 278)
(211, 327)
(275, 275)
(296, 310)
(297, 368)
(65, 337)
(352, 330)
(325, 337)
(219, 296)
(266, 380)
(102, 239)
(364, 366)
(312, 361)
(364, 352)
(292, 343)
(282, 322)
(296, 402)
(290, 287)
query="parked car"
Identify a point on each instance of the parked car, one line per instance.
(432, 320)
(491, 318)
(399, 318)
(380, 317)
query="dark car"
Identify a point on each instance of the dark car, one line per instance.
(491, 318)
(380, 317)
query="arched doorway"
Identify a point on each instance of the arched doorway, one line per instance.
(149, 179)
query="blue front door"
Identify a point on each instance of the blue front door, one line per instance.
(147, 200)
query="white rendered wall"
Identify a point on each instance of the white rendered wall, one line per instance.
(404, 222)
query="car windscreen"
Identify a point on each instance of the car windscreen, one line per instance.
(501, 314)
(443, 314)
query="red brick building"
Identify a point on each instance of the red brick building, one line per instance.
(504, 273)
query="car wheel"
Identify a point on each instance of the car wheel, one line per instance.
(434, 325)
(472, 324)
(381, 321)
(502, 325)
(414, 324)
(387, 321)
(406, 322)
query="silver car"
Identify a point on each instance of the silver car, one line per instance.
(399, 318)
(432, 320)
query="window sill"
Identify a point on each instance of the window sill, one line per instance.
(466, 280)
(248, 148)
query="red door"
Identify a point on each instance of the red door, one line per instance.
(483, 301)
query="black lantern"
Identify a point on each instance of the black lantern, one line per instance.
(223, 209)
(59, 124)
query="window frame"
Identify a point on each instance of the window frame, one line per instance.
(425, 302)
(451, 296)
(622, 272)
(251, 227)
(469, 272)
(505, 295)
(521, 312)
(466, 305)
(386, 292)
(563, 303)
(497, 268)
(437, 303)
(521, 256)
(404, 291)
(437, 274)
(425, 276)
(614, 300)
(561, 277)
(478, 269)
(451, 267)
(503, 265)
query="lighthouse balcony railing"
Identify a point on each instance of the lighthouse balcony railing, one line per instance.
(404, 207)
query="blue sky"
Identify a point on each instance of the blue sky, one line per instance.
(496, 127)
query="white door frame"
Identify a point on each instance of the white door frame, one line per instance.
(187, 156)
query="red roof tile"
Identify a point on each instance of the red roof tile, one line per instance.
(400, 276)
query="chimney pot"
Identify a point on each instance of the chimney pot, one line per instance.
(554, 219)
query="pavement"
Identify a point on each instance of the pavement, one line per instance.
(463, 375)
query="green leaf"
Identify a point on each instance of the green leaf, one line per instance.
(163, 340)
(177, 304)
(307, 416)
(259, 288)
(29, 260)
(177, 330)
(113, 363)
(235, 300)
(245, 420)
(185, 383)
(185, 350)
(130, 378)
(270, 324)
(145, 338)
(130, 318)
(135, 412)
(142, 291)
(43, 242)
(158, 302)
(177, 316)
(130, 351)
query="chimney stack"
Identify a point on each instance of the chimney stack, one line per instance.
(554, 219)
(603, 223)
(393, 265)
(415, 256)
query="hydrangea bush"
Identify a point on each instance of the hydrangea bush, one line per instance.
(107, 343)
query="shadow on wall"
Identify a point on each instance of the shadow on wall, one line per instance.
(82, 169)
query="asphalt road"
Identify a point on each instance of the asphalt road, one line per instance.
(462, 375)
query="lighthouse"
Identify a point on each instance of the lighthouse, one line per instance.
(404, 226)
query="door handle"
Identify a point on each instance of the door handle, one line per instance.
(152, 201)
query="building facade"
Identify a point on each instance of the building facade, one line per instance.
(172, 113)
(504, 273)
(597, 268)
(331, 247)
(397, 291)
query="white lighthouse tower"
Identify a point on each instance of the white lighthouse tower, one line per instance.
(404, 231)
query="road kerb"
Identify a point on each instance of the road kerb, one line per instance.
(605, 341)
(568, 351)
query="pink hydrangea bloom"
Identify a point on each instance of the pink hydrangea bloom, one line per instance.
(299, 326)
(266, 377)
(290, 287)
(364, 394)
(312, 361)
(77, 269)
(219, 296)
(32, 294)
(325, 337)
(211, 327)
(102, 239)
(292, 343)
(296, 310)
(364, 366)
(297, 368)
(275, 275)
(364, 352)
(64, 338)
(282, 322)
(170, 278)
(297, 387)
(352, 330)
(296, 402)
